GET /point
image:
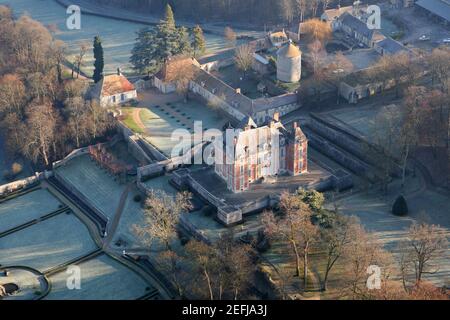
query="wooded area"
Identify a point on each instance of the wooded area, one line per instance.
(257, 12)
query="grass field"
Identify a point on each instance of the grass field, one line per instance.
(47, 244)
(98, 186)
(25, 208)
(102, 278)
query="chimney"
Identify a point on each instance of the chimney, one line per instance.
(295, 125)
(238, 90)
(119, 72)
(276, 117)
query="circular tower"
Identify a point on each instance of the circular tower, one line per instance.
(289, 63)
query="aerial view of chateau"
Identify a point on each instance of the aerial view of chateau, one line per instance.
(255, 150)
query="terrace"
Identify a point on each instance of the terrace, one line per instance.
(103, 278)
(27, 207)
(157, 122)
(47, 244)
(95, 184)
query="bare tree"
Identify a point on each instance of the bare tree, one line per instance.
(336, 240)
(440, 66)
(314, 5)
(161, 219)
(78, 118)
(14, 129)
(182, 78)
(362, 252)
(302, 8)
(12, 94)
(205, 260)
(317, 30)
(230, 36)
(41, 130)
(79, 58)
(295, 227)
(244, 57)
(424, 246)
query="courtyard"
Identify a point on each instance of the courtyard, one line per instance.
(98, 186)
(157, 117)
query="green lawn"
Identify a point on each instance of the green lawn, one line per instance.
(129, 121)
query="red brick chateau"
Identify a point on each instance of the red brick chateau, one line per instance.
(261, 152)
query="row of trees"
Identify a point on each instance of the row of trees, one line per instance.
(343, 241)
(259, 12)
(155, 45)
(42, 115)
(220, 271)
(226, 268)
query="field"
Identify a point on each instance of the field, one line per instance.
(25, 208)
(102, 278)
(47, 244)
(98, 186)
(118, 37)
(375, 215)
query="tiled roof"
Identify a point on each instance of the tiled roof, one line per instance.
(173, 65)
(289, 50)
(115, 84)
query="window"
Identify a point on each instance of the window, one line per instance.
(114, 99)
(122, 97)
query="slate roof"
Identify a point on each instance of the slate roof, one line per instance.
(357, 25)
(332, 14)
(438, 7)
(391, 46)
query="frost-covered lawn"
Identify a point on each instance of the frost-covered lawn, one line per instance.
(102, 278)
(25, 208)
(118, 37)
(375, 215)
(161, 121)
(93, 182)
(133, 211)
(47, 244)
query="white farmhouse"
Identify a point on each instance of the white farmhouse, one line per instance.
(114, 89)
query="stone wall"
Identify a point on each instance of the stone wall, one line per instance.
(356, 145)
(19, 185)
